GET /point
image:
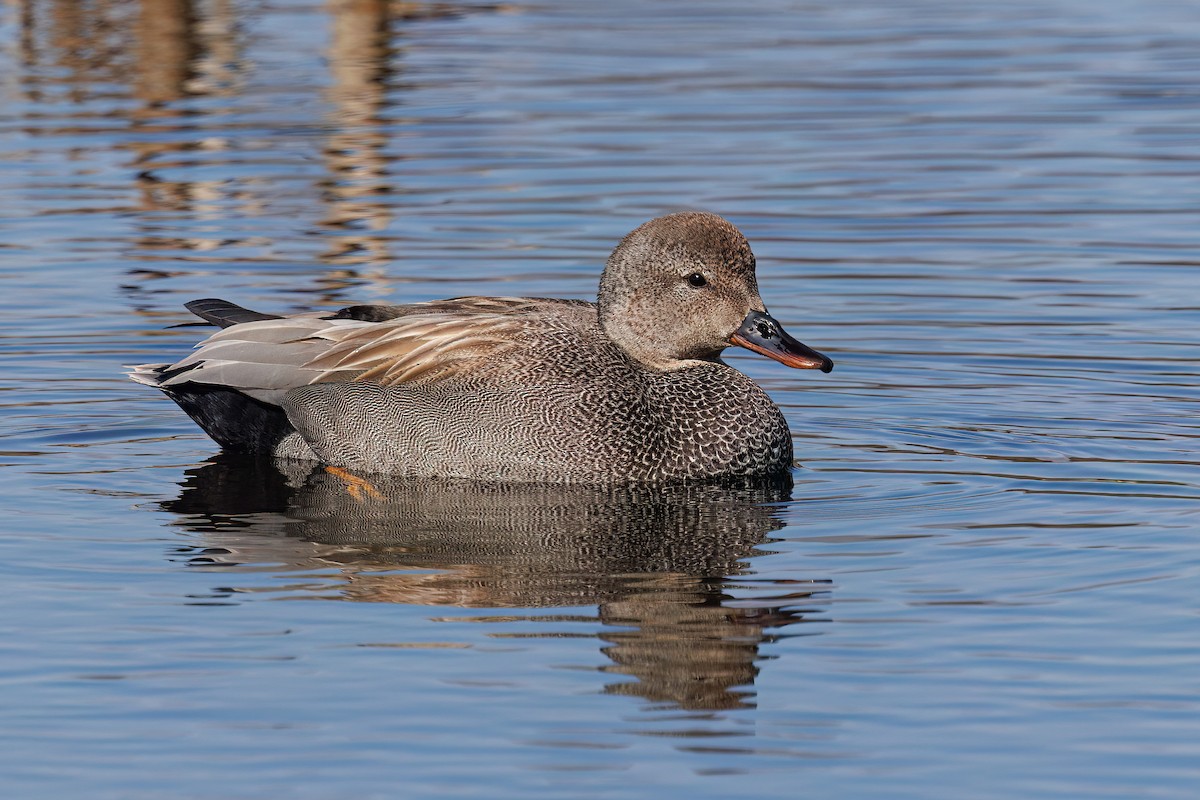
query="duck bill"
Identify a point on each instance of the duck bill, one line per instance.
(761, 333)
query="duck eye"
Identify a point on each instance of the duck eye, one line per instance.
(697, 280)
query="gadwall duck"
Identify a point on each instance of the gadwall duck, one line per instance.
(628, 389)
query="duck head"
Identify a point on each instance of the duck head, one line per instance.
(682, 288)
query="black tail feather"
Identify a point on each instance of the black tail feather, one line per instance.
(224, 313)
(233, 420)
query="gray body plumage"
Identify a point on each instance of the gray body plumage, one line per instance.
(511, 389)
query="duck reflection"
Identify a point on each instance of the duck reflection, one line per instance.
(656, 562)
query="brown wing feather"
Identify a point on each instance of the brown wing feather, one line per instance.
(427, 342)
(424, 346)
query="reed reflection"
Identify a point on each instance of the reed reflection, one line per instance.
(209, 157)
(654, 561)
(167, 47)
(183, 50)
(360, 56)
(71, 46)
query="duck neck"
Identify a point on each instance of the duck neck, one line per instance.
(624, 322)
(642, 344)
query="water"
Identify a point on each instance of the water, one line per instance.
(982, 584)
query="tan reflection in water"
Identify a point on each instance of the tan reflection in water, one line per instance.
(182, 50)
(161, 52)
(104, 52)
(653, 561)
(166, 50)
(359, 63)
(70, 36)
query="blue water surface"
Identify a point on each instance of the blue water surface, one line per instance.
(983, 583)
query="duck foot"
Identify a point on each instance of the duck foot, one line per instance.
(360, 489)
